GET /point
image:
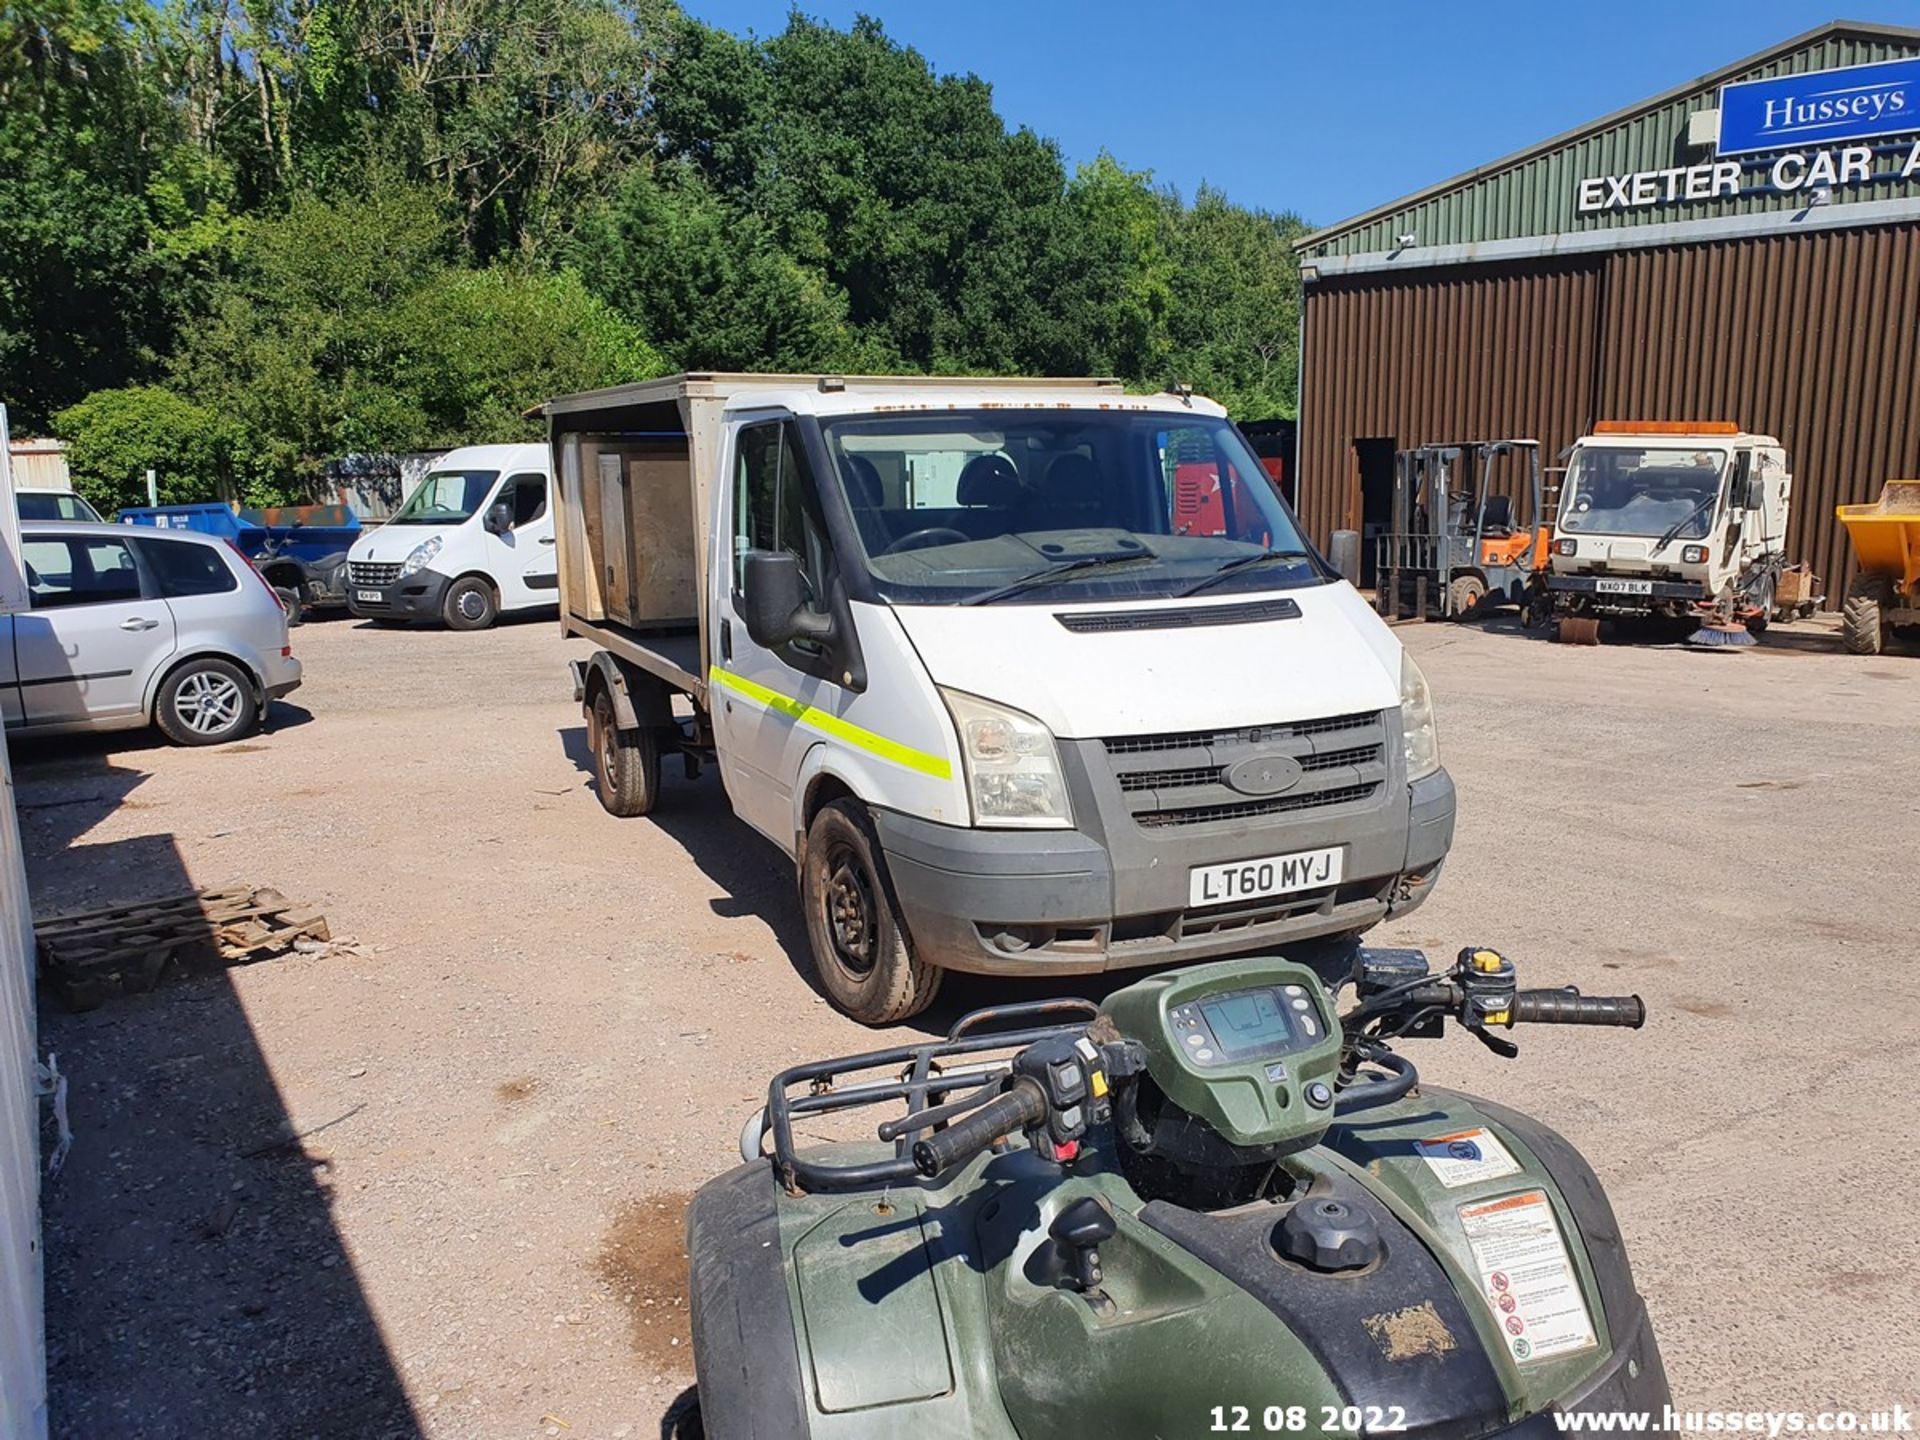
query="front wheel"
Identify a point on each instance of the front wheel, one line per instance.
(470, 604)
(1465, 595)
(206, 702)
(1862, 626)
(861, 950)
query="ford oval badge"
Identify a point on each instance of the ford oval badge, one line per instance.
(1264, 774)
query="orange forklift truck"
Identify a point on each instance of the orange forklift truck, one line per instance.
(1455, 547)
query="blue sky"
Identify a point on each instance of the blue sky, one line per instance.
(1323, 109)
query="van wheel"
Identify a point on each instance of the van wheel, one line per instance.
(470, 604)
(626, 763)
(860, 947)
(206, 702)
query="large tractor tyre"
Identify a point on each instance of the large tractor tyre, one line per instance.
(861, 951)
(626, 763)
(207, 701)
(470, 604)
(1862, 629)
(1465, 595)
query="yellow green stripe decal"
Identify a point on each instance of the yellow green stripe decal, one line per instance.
(902, 755)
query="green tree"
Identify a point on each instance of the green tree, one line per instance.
(710, 285)
(1234, 312)
(350, 324)
(115, 436)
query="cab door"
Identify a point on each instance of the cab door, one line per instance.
(96, 632)
(521, 558)
(760, 698)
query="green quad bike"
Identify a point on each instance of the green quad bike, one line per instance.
(1208, 1207)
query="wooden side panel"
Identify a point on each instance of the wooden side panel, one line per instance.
(663, 563)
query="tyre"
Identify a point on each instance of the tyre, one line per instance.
(1861, 630)
(861, 951)
(290, 597)
(626, 763)
(1465, 595)
(1763, 601)
(206, 702)
(470, 604)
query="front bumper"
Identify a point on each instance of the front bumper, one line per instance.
(1585, 591)
(1068, 902)
(411, 597)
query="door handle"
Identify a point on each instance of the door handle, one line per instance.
(546, 539)
(135, 622)
(726, 640)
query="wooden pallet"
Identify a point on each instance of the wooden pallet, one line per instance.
(86, 955)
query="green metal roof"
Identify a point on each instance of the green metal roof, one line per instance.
(1534, 193)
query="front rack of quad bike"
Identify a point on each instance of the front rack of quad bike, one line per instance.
(934, 1092)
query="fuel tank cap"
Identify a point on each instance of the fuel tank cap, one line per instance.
(1328, 1235)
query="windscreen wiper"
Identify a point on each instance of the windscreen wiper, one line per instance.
(1685, 520)
(1234, 567)
(1054, 572)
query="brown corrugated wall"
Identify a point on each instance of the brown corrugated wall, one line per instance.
(1814, 338)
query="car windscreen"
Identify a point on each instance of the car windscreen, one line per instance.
(955, 506)
(446, 497)
(1642, 490)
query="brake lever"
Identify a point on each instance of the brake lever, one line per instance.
(1500, 1046)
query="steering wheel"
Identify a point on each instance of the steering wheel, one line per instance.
(925, 539)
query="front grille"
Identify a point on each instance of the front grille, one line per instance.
(364, 572)
(1181, 778)
(1191, 617)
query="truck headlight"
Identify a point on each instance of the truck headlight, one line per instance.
(1011, 763)
(1416, 720)
(421, 555)
(1694, 555)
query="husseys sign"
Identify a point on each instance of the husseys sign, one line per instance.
(1793, 118)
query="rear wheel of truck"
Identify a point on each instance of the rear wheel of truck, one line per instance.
(626, 763)
(470, 604)
(1861, 629)
(860, 947)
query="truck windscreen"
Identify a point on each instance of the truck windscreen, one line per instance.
(1633, 490)
(989, 504)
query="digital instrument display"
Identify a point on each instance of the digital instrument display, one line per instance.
(1249, 1022)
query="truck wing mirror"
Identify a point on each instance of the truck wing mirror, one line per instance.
(1755, 497)
(775, 606)
(499, 518)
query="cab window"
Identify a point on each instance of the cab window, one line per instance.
(773, 505)
(527, 495)
(75, 571)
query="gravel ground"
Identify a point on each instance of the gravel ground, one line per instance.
(433, 1185)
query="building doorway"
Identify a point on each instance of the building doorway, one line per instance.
(1374, 458)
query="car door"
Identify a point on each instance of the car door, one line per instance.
(95, 634)
(762, 695)
(521, 560)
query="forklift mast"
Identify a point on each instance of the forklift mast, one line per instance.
(1457, 543)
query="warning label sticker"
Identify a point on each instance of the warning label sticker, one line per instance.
(1467, 1158)
(1527, 1276)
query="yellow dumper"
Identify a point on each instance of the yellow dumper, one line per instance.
(1886, 549)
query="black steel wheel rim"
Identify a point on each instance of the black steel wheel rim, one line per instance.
(848, 907)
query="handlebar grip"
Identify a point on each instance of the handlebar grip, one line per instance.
(1569, 1007)
(1021, 1105)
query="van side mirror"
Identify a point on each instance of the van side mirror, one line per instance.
(775, 605)
(499, 518)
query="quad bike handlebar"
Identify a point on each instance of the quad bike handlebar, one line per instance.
(1020, 1106)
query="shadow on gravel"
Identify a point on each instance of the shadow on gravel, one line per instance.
(758, 881)
(195, 1283)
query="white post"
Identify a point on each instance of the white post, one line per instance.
(13, 580)
(153, 491)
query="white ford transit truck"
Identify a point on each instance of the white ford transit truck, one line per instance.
(1029, 677)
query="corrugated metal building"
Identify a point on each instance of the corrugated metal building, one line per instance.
(1726, 251)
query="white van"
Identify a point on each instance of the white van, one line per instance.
(1030, 677)
(474, 541)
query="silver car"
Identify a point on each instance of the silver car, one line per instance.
(130, 627)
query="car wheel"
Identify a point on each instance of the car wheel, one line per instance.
(207, 702)
(470, 604)
(626, 763)
(861, 950)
